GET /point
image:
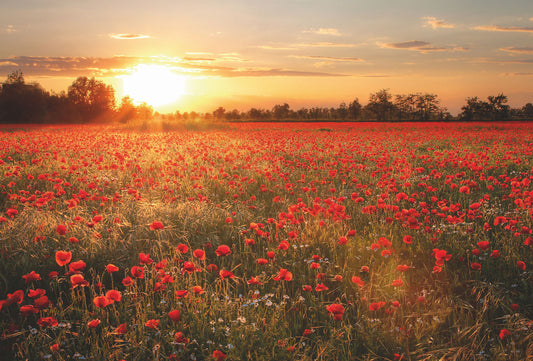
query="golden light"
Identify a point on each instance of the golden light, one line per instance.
(154, 84)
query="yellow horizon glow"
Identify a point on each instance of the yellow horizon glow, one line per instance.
(155, 85)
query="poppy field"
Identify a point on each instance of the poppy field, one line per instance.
(267, 242)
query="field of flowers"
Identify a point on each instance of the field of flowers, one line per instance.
(267, 242)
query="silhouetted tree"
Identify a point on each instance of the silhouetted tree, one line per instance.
(527, 111)
(380, 105)
(92, 97)
(498, 108)
(219, 113)
(21, 102)
(281, 111)
(127, 110)
(354, 109)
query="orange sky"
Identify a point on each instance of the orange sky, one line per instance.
(245, 53)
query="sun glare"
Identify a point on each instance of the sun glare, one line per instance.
(154, 84)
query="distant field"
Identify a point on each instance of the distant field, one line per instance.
(267, 241)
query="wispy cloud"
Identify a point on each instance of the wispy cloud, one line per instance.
(10, 29)
(519, 50)
(503, 62)
(505, 28)
(328, 58)
(436, 23)
(421, 46)
(326, 45)
(119, 65)
(129, 36)
(518, 74)
(324, 31)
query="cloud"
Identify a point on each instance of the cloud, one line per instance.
(518, 74)
(121, 65)
(503, 62)
(324, 31)
(326, 45)
(10, 29)
(505, 28)
(129, 36)
(421, 46)
(275, 47)
(436, 23)
(519, 50)
(328, 58)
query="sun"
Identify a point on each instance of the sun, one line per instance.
(154, 84)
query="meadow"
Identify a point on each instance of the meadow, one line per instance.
(266, 241)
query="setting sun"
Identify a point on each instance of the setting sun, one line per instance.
(154, 84)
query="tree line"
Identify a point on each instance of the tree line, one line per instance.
(91, 100)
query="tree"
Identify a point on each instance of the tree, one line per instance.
(219, 113)
(426, 106)
(354, 109)
(474, 109)
(281, 111)
(342, 111)
(497, 107)
(380, 105)
(92, 97)
(127, 110)
(527, 111)
(21, 102)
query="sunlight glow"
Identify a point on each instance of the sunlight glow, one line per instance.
(154, 84)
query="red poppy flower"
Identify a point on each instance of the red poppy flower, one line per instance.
(336, 310)
(32, 276)
(181, 293)
(63, 257)
(226, 274)
(358, 281)
(61, 229)
(397, 282)
(36, 293)
(283, 275)
(47, 322)
(145, 258)
(110, 268)
(101, 301)
(262, 261)
(41, 303)
(374, 306)
(137, 272)
(199, 253)
(77, 266)
(174, 315)
(475, 266)
(179, 338)
(121, 329)
(254, 281)
(93, 323)
(521, 265)
(402, 267)
(156, 225)
(504, 333)
(78, 280)
(113, 295)
(198, 290)
(27, 310)
(223, 250)
(153, 324)
(219, 355)
(182, 248)
(321, 287)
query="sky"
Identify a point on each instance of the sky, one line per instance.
(249, 53)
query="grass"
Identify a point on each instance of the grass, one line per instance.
(296, 192)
